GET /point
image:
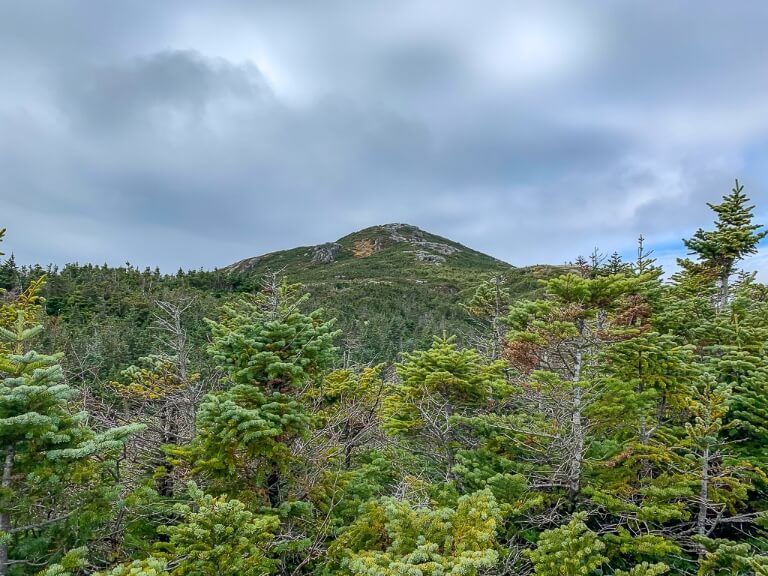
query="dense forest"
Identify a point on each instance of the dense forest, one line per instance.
(597, 418)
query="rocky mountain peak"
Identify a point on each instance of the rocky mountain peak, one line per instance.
(424, 248)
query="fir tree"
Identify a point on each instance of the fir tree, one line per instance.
(734, 237)
(719, 480)
(438, 387)
(646, 384)
(488, 307)
(151, 566)
(215, 535)
(556, 344)
(160, 391)
(348, 407)
(219, 535)
(733, 346)
(9, 274)
(152, 390)
(615, 265)
(269, 349)
(725, 558)
(48, 454)
(570, 550)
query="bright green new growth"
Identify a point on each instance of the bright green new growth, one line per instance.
(457, 379)
(644, 569)
(220, 536)
(439, 389)
(148, 567)
(394, 537)
(570, 550)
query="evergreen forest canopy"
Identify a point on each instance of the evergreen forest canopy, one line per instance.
(590, 419)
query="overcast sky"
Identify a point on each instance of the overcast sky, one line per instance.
(193, 134)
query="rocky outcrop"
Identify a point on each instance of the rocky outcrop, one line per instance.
(403, 232)
(428, 250)
(243, 265)
(376, 241)
(430, 258)
(326, 253)
(439, 247)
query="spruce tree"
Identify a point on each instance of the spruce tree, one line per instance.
(438, 388)
(54, 466)
(269, 349)
(735, 236)
(555, 344)
(9, 274)
(570, 550)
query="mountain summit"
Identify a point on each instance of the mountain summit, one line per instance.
(384, 240)
(391, 286)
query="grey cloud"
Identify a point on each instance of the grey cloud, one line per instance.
(165, 88)
(196, 134)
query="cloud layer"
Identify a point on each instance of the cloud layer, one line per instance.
(194, 134)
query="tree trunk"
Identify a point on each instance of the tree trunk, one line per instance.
(5, 516)
(701, 520)
(577, 434)
(273, 487)
(724, 288)
(644, 433)
(168, 427)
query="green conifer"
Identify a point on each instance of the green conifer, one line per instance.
(269, 349)
(570, 550)
(393, 537)
(438, 387)
(51, 472)
(734, 237)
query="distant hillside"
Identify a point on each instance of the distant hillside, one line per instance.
(392, 287)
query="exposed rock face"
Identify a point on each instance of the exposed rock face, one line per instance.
(403, 232)
(439, 247)
(325, 253)
(243, 265)
(432, 252)
(422, 256)
(365, 248)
